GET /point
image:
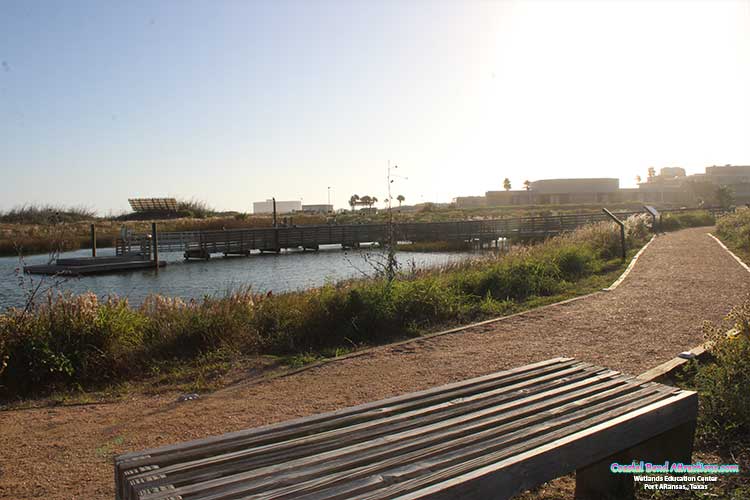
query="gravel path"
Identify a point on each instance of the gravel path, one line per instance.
(682, 279)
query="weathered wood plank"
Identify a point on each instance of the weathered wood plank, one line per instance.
(446, 442)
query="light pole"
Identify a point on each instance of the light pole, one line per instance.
(392, 264)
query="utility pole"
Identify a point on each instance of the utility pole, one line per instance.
(274, 211)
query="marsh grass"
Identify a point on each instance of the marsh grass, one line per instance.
(734, 231)
(46, 214)
(83, 342)
(682, 220)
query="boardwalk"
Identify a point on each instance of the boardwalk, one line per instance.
(201, 244)
(682, 279)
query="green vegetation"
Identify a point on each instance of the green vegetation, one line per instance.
(42, 229)
(67, 341)
(724, 420)
(723, 432)
(27, 238)
(682, 220)
(734, 231)
(45, 214)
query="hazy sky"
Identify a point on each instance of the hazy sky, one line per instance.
(237, 101)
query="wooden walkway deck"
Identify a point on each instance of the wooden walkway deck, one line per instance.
(495, 434)
(93, 265)
(201, 244)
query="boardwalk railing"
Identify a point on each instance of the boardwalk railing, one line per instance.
(201, 244)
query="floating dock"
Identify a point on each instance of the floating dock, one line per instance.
(93, 265)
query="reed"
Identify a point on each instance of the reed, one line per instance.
(65, 341)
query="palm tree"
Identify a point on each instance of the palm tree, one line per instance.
(365, 200)
(373, 200)
(506, 184)
(354, 201)
(527, 185)
(638, 179)
(400, 199)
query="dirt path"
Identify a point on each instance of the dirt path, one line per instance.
(681, 280)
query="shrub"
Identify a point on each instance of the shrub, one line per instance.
(734, 231)
(724, 419)
(83, 341)
(681, 220)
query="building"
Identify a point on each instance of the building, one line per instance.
(562, 191)
(668, 187)
(672, 172)
(735, 177)
(470, 201)
(558, 192)
(317, 209)
(671, 186)
(282, 207)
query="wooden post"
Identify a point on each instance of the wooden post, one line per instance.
(155, 245)
(93, 240)
(275, 229)
(622, 231)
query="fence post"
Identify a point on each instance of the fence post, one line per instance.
(622, 231)
(155, 245)
(93, 240)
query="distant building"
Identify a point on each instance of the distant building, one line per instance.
(671, 186)
(670, 172)
(317, 209)
(282, 207)
(559, 192)
(735, 177)
(470, 201)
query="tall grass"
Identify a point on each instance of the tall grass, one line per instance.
(46, 214)
(682, 220)
(734, 231)
(81, 341)
(42, 238)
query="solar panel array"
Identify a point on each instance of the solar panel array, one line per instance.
(153, 204)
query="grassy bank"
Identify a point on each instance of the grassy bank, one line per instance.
(723, 431)
(734, 231)
(721, 380)
(82, 342)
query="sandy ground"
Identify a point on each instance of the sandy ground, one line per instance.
(681, 280)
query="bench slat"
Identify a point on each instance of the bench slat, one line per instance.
(384, 442)
(376, 427)
(417, 445)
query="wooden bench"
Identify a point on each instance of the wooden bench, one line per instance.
(489, 437)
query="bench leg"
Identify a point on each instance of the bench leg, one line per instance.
(596, 481)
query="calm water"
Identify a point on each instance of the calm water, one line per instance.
(278, 273)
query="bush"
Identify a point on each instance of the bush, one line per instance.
(46, 214)
(734, 231)
(682, 220)
(80, 341)
(724, 418)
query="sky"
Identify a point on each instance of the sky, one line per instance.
(231, 102)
